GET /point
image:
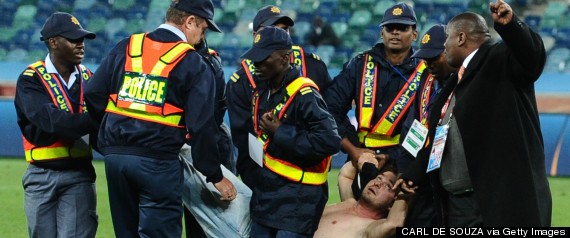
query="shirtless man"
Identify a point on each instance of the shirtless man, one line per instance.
(376, 214)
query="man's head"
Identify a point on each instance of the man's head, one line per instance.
(271, 16)
(465, 33)
(64, 35)
(378, 193)
(192, 17)
(270, 52)
(399, 27)
(432, 51)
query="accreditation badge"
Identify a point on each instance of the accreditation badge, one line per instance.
(437, 149)
(415, 138)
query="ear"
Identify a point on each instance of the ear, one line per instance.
(190, 20)
(415, 35)
(52, 43)
(461, 39)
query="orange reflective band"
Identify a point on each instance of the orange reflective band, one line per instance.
(249, 71)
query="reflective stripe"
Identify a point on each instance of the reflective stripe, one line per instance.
(135, 52)
(64, 152)
(169, 120)
(315, 175)
(296, 173)
(370, 140)
(299, 59)
(368, 92)
(169, 57)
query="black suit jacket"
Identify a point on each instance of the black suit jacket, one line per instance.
(498, 120)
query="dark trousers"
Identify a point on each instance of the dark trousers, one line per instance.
(261, 231)
(463, 211)
(144, 195)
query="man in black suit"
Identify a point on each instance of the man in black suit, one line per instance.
(491, 128)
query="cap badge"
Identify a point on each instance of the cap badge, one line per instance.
(74, 20)
(275, 10)
(257, 38)
(425, 39)
(397, 11)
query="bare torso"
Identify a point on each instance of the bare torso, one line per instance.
(340, 221)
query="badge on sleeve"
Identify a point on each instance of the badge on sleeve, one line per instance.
(437, 149)
(415, 138)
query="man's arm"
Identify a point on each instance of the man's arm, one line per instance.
(525, 45)
(396, 218)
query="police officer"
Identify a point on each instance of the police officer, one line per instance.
(59, 183)
(382, 81)
(244, 81)
(155, 89)
(296, 136)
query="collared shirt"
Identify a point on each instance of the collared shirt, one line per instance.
(52, 70)
(174, 30)
(468, 58)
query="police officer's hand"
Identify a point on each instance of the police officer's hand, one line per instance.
(354, 153)
(406, 187)
(501, 12)
(227, 190)
(269, 123)
(367, 158)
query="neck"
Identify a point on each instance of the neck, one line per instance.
(396, 57)
(64, 69)
(362, 209)
(275, 83)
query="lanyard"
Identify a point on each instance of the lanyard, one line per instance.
(446, 106)
(400, 72)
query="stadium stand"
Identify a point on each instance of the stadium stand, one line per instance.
(355, 22)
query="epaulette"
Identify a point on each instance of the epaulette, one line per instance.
(29, 72)
(315, 56)
(234, 77)
(306, 90)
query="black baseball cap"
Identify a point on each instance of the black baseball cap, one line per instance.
(399, 13)
(268, 40)
(66, 25)
(269, 15)
(201, 8)
(431, 44)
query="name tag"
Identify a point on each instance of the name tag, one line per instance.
(415, 138)
(437, 149)
(255, 149)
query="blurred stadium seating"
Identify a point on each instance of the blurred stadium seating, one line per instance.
(356, 23)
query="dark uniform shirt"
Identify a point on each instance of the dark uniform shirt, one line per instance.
(308, 135)
(191, 85)
(239, 95)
